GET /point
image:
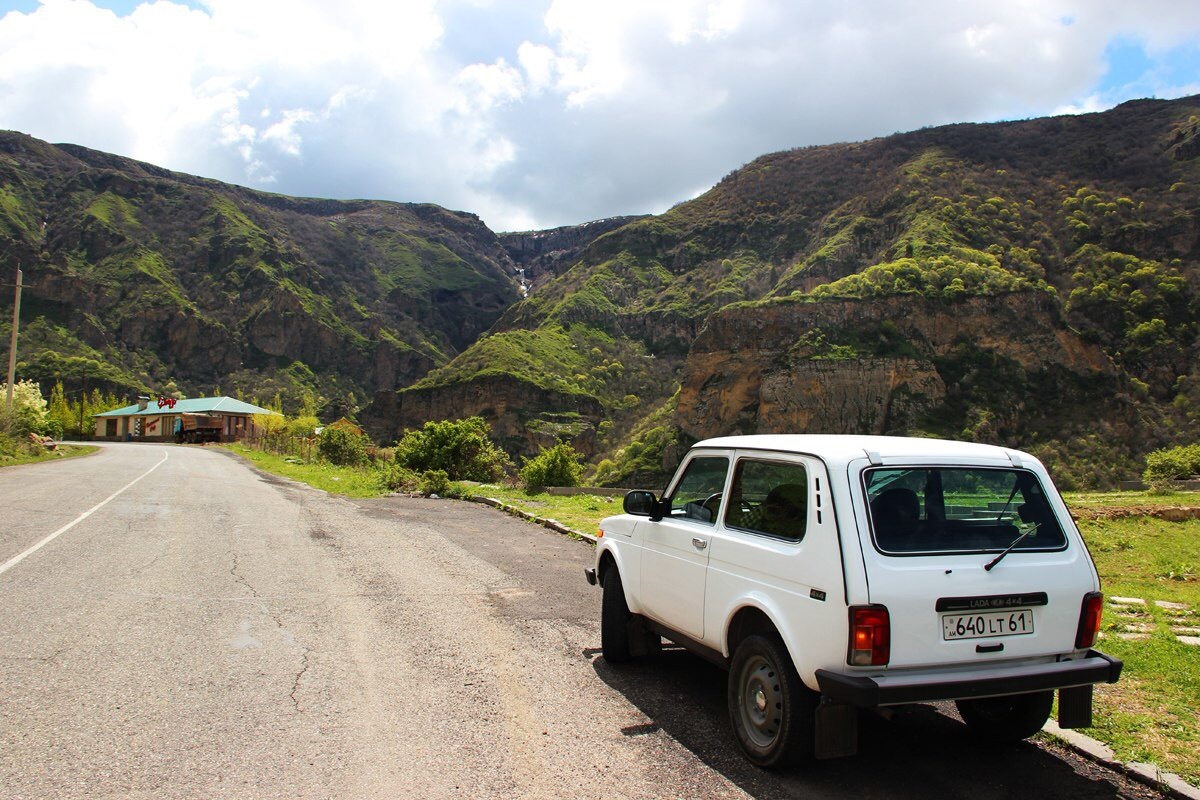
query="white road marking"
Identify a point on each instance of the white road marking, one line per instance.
(12, 562)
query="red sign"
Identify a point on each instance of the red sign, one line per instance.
(169, 402)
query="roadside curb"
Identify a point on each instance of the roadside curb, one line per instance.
(1166, 782)
(552, 524)
(1091, 749)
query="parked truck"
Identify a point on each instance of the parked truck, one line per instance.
(197, 428)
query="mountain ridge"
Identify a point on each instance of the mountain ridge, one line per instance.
(973, 280)
(1091, 216)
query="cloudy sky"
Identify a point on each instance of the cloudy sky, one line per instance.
(538, 113)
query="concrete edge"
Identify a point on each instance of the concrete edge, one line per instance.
(1086, 746)
(1147, 774)
(545, 522)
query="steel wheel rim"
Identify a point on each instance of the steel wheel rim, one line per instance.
(760, 701)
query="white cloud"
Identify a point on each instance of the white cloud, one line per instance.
(545, 112)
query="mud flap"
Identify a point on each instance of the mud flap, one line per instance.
(837, 729)
(642, 641)
(1075, 707)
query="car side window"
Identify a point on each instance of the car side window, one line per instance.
(770, 498)
(697, 496)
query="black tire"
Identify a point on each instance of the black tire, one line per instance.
(773, 713)
(1006, 719)
(614, 620)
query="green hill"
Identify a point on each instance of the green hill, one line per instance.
(1032, 283)
(143, 277)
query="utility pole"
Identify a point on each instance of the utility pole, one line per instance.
(12, 343)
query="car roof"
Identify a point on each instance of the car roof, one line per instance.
(835, 449)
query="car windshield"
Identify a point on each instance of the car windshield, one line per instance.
(959, 510)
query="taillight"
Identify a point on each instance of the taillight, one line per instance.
(1089, 620)
(870, 636)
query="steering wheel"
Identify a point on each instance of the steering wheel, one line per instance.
(713, 504)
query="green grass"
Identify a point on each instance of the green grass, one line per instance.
(348, 481)
(1150, 715)
(62, 451)
(578, 512)
(1130, 499)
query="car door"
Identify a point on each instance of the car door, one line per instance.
(675, 548)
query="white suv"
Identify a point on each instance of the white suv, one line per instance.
(834, 573)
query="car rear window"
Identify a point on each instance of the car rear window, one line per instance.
(959, 510)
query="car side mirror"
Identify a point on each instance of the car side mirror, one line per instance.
(641, 503)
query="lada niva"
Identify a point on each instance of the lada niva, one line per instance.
(830, 574)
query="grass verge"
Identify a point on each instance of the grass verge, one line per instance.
(348, 481)
(57, 454)
(1150, 715)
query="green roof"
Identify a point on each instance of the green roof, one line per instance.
(197, 405)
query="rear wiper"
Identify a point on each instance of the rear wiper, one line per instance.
(988, 566)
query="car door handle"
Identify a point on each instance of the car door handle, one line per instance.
(699, 542)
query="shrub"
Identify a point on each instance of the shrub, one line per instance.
(460, 448)
(28, 414)
(558, 466)
(303, 427)
(1175, 463)
(396, 478)
(343, 447)
(434, 481)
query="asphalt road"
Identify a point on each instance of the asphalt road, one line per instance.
(195, 629)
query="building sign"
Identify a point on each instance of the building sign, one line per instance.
(169, 402)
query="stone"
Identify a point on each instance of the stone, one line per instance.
(1171, 606)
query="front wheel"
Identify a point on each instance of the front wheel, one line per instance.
(614, 619)
(1006, 719)
(772, 712)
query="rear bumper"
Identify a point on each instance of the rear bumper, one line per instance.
(898, 688)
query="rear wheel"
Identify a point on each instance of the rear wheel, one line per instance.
(1006, 719)
(772, 712)
(614, 619)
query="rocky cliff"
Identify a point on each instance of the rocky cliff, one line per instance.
(889, 366)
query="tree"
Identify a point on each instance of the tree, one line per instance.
(342, 446)
(28, 413)
(558, 466)
(58, 410)
(461, 448)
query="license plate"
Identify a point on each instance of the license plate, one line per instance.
(987, 624)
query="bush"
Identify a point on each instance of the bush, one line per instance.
(302, 427)
(28, 414)
(558, 466)
(1172, 464)
(396, 478)
(434, 481)
(14, 447)
(461, 449)
(343, 447)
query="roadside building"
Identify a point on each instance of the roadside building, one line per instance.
(217, 419)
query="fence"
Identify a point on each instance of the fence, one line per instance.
(282, 444)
